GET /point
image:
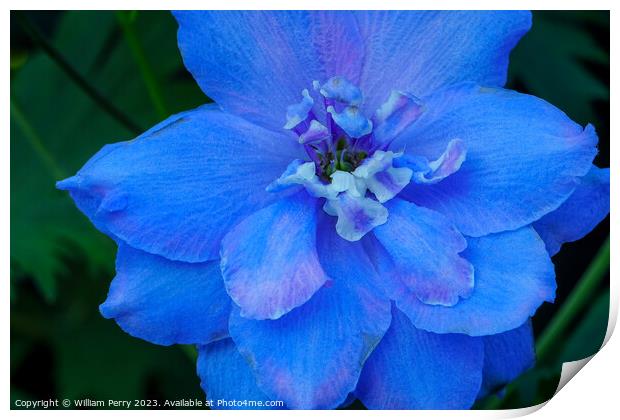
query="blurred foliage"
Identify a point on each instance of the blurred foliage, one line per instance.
(67, 350)
(61, 266)
(57, 128)
(561, 61)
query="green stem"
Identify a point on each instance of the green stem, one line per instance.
(148, 75)
(583, 293)
(73, 74)
(35, 141)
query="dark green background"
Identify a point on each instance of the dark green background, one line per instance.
(61, 266)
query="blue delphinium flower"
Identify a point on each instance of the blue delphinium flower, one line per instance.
(359, 215)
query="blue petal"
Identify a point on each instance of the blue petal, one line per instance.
(176, 190)
(254, 64)
(341, 90)
(269, 260)
(514, 275)
(316, 133)
(380, 177)
(167, 302)
(414, 369)
(297, 173)
(226, 377)
(352, 121)
(506, 356)
(312, 356)
(395, 115)
(448, 163)
(524, 157)
(579, 214)
(356, 215)
(422, 51)
(299, 112)
(423, 255)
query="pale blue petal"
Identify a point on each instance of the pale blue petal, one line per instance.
(513, 277)
(345, 181)
(524, 157)
(269, 260)
(395, 115)
(387, 184)
(352, 121)
(312, 356)
(341, 90)
(356, 215)
(225, 376)
(422, 255)
(299, 112)
(167, 302)
(381, 178)
(412, 369)
(176, 191)
(315, 133)
(255, 63)
(298, 172)
(579, 214)
(448, 163)
(422, 51)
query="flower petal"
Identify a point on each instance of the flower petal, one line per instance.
(579, 214)
(524, 157)
(381, 178)
(415, 369)
(167, 302)
(341, 90)
(423, 250)
(269, 260)
(297, 113)
(255, 63)
(513, 277)
(356, 215)
(312, 356)
(448, 163)
(177, 189)
(316, 133)
(506, 357)
(352, 121)
(395, 115)
(225, 376)
(422, 51)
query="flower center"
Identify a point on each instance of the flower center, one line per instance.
(349, 164)
(344, 158)
(331, 127)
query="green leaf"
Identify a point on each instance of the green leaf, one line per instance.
(68, 127)
(550, 62)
